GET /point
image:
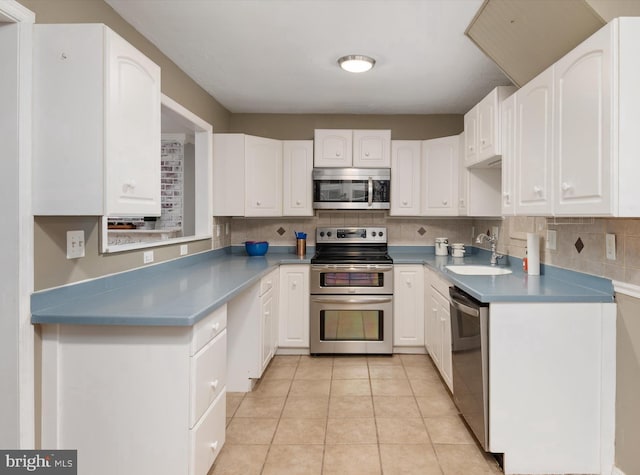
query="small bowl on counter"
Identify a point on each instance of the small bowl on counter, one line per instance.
(256, 248)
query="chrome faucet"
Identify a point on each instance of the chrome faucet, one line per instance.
(494, 243)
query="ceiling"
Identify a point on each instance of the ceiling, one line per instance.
(279, 56)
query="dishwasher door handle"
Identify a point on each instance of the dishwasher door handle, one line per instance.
(474, 312)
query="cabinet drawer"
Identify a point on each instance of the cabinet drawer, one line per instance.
(207, 328)
(207, 437)
(208, 375)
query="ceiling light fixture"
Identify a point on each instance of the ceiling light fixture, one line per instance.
(356, 63)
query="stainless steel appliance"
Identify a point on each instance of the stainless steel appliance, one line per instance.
(470, 356)
(351, 302)
(351, 188)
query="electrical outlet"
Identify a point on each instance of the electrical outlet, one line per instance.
(551, 239)
(226, 228)
(147, 257)
(184, 249)
(75, 244)
(473, 232)
(217, 230)
(610, 240)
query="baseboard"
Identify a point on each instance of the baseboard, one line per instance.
(409, 350)
(617, 471)
(292, 351)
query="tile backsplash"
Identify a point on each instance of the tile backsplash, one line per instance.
(402, 231)
(590, 231)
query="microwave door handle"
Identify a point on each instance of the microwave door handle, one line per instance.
(370, 191)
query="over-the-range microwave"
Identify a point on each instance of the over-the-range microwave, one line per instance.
(351, 188)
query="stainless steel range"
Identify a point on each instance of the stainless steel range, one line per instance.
(351, 306)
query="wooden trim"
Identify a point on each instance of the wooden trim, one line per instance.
(631, 290)
(13, 12)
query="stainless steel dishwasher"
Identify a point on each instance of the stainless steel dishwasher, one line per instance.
(470, 357)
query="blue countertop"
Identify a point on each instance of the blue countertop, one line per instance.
(175, 293)
(554, 285)
(183, 291)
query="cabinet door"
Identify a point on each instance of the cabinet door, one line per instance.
(263, 180)
(508, 112)
(408, 305)
(372, 148)
(228, 174)
(471, 136)
(333, 148)
(533, 145)
(582, 129)
(488, 133)
(405, 177)
(434, 343)
(440, 176)
(297, 161)
(132, 140)
(294, 306)
(266, 352)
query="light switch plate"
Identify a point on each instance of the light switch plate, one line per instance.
(610, 240)
(551, 239)
(75, 244)
(147, 257)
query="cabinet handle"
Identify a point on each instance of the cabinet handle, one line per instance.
(366, 154)
(483, 141)
(404, 203)
(214, 384)
(298, 202)
(294, 286)
(461, 202)
(471, 148)
(408, 283)
(444, 202)
(267, 313)
(566, 187)
(215, 326)
(214, 446)
(537, 190)
(257, 203)
(130, 185)
(337, 154)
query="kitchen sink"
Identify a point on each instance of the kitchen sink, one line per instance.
(478, 270)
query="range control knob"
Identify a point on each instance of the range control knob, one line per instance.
(321, 233)
(373, 234)
(328, 233)
(380, 234)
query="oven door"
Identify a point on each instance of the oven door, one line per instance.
(351, 279)
(351, 324)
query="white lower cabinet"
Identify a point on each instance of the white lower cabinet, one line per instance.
(162, 387)
(438, 325)
(408, 306)
(252, 317)
(294, 307)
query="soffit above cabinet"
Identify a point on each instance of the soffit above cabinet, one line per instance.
(524, 37)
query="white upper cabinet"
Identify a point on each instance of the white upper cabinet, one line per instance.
(297, 164)
(482, 129)
(534, 132)
(96, 123)
(584, 103)
(372, 148)
(440, 176)
(333, 148)
(247, 175)
(405, 177)
(263, 181)
(345, 148)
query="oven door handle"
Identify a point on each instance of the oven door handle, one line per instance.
(359, 300)
(370, 191)
(354, 268)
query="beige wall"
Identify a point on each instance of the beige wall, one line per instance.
(301, 126)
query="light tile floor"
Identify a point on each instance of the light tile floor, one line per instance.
(349, 415)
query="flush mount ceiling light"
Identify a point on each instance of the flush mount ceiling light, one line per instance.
(356, 63)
